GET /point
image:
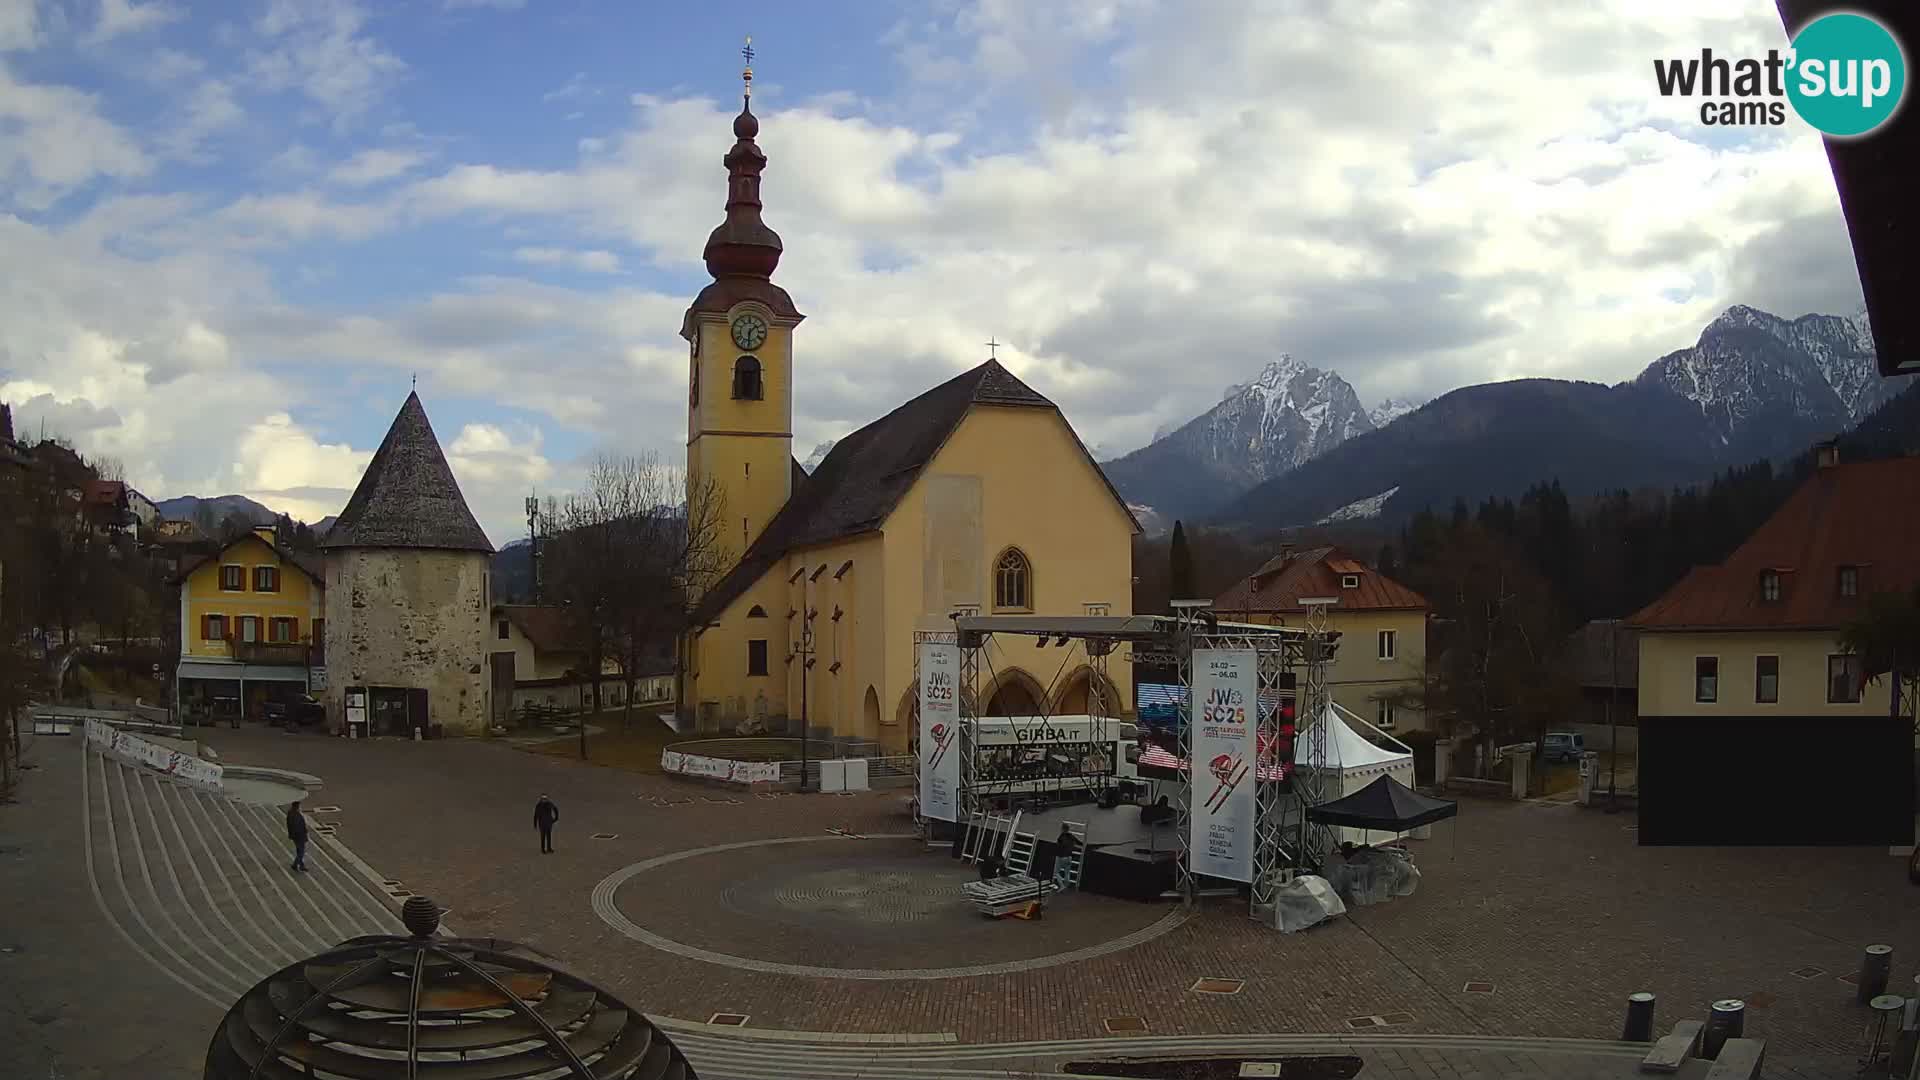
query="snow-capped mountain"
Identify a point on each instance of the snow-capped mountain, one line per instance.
(1390, 410)
(812, 461)
(1766, 386)
(1288, 414)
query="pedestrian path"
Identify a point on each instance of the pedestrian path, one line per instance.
(201, 884)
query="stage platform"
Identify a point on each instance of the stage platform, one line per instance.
(1126, 858)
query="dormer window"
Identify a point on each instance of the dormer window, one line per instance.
(1769, 586)
(1349, 581)
(746, 379)
(1847, 581)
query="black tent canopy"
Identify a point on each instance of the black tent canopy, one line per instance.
(1386, 805)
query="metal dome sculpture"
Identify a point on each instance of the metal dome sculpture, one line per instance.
(397, 1008)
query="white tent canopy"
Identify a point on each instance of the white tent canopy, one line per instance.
(1351, 762)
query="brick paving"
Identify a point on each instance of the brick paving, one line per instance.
(1554, 905)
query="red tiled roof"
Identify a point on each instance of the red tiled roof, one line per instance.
(104, 492)
(1864, 515)
(1279, 584)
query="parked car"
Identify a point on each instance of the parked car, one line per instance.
(300, 710)
(1563, 746)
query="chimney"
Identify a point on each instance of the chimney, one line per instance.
(1826, 454)
(264, 532)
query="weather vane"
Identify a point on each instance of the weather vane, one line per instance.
(993, 349)
(746, 75)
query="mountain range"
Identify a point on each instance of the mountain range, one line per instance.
(1289, 414)
(1295, 447)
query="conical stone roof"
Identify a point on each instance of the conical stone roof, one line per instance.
(408, 498)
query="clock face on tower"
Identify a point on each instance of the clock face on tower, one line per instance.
(749, 331)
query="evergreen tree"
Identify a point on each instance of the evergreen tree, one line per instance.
(1180, 565)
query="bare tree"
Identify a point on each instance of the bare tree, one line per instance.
(626, 555)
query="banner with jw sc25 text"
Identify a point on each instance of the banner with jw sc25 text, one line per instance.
(939, 730)
(1226, 687)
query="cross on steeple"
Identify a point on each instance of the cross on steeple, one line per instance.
(746, 74)
(993, 348)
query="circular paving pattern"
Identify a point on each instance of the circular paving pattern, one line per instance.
(861, 896)
(881, 908)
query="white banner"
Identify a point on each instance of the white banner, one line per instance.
(132, 748)
(709, 768)
(1226, 686)
(939, 731)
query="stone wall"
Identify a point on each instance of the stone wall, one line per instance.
(410, 618)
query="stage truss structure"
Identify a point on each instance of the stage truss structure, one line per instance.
(1284, 840)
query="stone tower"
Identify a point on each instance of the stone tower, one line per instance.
(408, 589)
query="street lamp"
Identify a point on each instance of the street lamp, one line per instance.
(804, 651)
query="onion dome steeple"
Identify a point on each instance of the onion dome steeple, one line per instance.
(742, 252)
(743, 245)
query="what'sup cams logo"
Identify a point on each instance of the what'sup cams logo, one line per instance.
(1844, 74)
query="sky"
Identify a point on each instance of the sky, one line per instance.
(234, 235)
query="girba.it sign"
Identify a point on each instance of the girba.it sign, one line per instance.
(1844, 74)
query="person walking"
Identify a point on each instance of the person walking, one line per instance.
(545, 813)
(297, 832)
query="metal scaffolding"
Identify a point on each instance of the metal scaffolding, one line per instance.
(1283, 838)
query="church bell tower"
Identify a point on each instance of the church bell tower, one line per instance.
(739, 333)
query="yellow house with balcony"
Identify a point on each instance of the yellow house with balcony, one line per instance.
(252, 627)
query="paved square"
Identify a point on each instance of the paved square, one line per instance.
(1552, 905)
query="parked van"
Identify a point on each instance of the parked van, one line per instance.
(1564, 746)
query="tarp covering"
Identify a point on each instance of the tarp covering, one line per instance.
(1305, 901)
(1386, 804)
(1372, 875)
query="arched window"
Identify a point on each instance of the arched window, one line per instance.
(1013, 581)
(756, 612)
(746, 379)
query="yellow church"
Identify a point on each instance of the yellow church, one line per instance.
(976, 497)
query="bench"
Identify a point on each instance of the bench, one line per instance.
(1739, 1060)
(1671, 1051)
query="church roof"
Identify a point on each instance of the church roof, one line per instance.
(867, 474)
(408, 498)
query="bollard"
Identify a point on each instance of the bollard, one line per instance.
(1639, 1026)
(1726, 1021)
(1875, 964)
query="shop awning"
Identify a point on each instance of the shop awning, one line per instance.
(201, 669)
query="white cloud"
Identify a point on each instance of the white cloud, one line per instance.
(597, 262)
(574, 89)
(320, 48)
(496, 470)
(209, 110)
(280, 464)
(374, 165)
(1415, 203)
(19, 25)
(119, 17)
(53, 139)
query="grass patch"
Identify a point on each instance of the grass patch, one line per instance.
(636, 750)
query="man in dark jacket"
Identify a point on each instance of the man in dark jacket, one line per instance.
(297, 832)
(545, 813)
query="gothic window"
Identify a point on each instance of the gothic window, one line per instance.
(1013, 581)
(746, 379)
